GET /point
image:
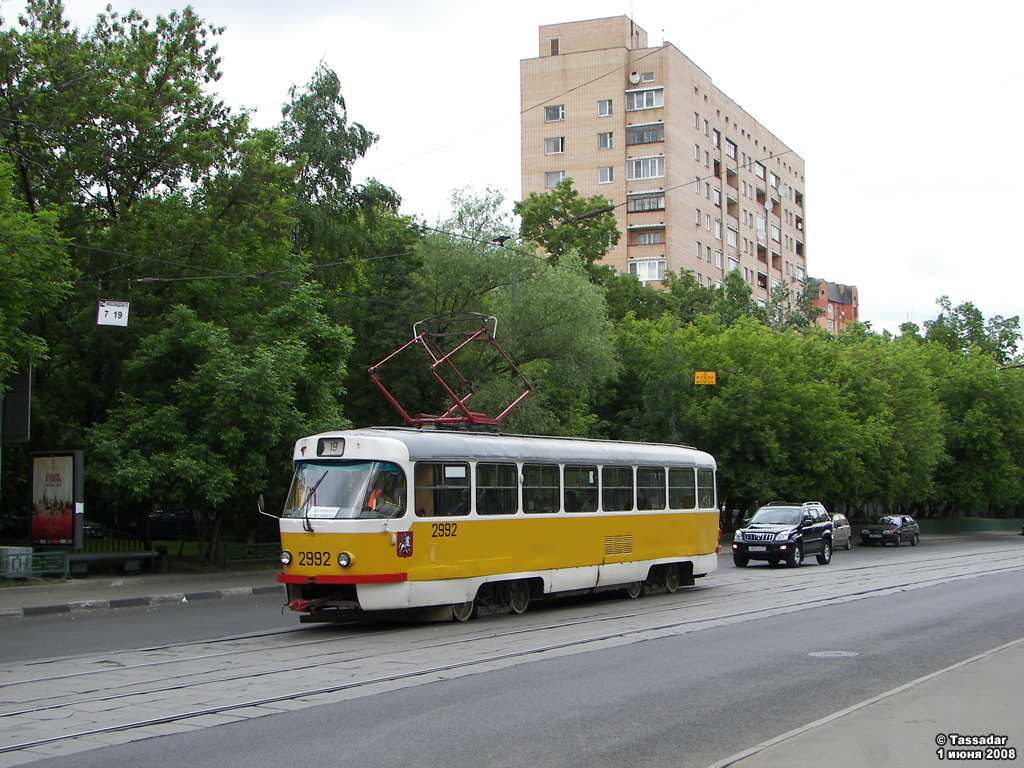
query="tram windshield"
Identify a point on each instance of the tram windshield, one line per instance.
(346, 489)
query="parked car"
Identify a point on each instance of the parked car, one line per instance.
(891, 528)
(787, 532)
(93, 530)
(842, 533)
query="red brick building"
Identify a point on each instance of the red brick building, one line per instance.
(839, 304)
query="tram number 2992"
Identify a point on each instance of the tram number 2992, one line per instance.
(314, 558)
(443, 530)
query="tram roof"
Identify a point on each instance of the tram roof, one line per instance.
(426, 444)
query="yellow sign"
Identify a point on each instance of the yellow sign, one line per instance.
(704, 377)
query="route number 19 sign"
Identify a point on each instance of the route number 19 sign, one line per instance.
(112, 313)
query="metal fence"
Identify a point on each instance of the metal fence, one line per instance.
(25, 564)
(239, 554)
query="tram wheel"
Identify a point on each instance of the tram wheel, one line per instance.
(634, 590)
(463, 611)
(519, 596)
(670, 578)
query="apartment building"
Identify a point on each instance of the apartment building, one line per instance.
(839, 305)
(697, 183)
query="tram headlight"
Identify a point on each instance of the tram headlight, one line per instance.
(286, 557)
(344, 559)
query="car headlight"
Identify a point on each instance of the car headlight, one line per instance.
(344, 559)
(738, 536)
(783, 535)
(286, 557)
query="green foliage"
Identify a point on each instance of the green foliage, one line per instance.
(35, 273)
(963, 328)
(560, 221)
(103, 119)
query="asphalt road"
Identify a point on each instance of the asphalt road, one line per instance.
(682, 699)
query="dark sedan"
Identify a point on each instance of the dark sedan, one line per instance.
(891, 529)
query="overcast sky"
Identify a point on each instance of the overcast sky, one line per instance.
(907, 114)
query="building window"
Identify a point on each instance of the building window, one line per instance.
(776, 233)
(718, 259)
(554, 114)
(653, 202)
(718, 197)
(604, 140)
(696, 120)
(651, 99)
(604, 108)
(718, 229)
(554, 45)
(605, 175)
(732, 237)
(551, 178)
(696, 152)
(652, 237)
(645, 168)
(555, 146)
(646, 134)
(647, 77)
(759, 171)
(730, 149)
(716, 139)
(733, 263)
(707, 128)
(773, 180)
(648, 269)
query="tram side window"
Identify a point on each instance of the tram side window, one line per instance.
(682, 488)
(497, 489)
(616, 488)
(650, 488)
(580, 488)
(706, 488)
(540, 488)
(442, 489)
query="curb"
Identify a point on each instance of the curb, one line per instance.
(82, 606)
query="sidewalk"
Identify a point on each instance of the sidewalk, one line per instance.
(909, 725)
(114, 591)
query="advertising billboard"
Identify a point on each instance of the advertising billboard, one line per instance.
(56, 497)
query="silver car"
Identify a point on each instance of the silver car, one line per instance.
(842, 534)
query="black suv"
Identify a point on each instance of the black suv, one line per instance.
(782, 531)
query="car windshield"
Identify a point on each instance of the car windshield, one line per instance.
(776, 516)
(348, 489)
(886, 520)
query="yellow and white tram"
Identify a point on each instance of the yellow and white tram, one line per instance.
(394, 518)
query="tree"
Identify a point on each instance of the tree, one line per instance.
(318, 139)
(103, 120)
(204, 419)
(552, 321)
(35, 274)
(561, 221)
(962, 328)
(786, 310)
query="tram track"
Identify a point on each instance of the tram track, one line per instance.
(644, 619)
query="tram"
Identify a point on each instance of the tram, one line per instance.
(394, 518)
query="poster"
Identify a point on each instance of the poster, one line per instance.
(53, 502)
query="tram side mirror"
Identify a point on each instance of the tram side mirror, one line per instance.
(260, 507)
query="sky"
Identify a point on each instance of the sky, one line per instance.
(905, 113)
